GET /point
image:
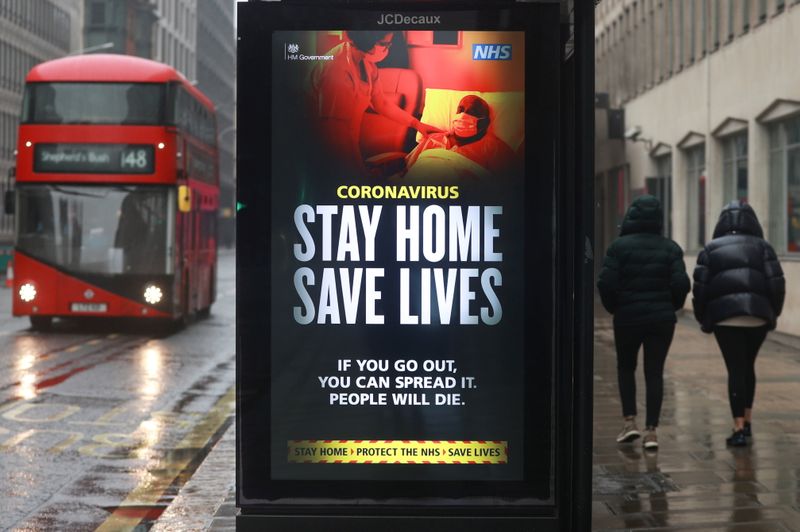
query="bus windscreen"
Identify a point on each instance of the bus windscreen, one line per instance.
(97, 229)
(94, 103)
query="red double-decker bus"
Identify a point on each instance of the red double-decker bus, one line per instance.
(116, 193)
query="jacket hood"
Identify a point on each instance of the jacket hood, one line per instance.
(737, 217)
(644, 216)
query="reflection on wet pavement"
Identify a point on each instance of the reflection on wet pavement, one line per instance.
(102, 423)
(695, 482)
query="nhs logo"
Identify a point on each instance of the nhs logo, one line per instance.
(491, 52)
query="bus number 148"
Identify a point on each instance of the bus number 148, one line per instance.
(134, 159)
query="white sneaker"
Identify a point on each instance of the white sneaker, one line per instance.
(650, 440)
(629, 432)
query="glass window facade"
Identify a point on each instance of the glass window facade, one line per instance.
(784, 201)
(730, 19)
(677, 33)
(660, 186)
(745, 5)
(617, 195)
(696, 179)
(692, 29)
(734, 168)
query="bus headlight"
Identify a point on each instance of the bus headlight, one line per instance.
(153, 294)
(27, 292)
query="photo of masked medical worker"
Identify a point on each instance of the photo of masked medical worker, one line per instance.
(345, 86)
(379, 104)
(483, 154)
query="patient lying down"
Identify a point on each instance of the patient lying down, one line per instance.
(468, 150)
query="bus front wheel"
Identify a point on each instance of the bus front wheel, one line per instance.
(187, 317)
(204, 313)
(41, 323)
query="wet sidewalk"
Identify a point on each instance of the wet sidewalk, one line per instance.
(694, 482)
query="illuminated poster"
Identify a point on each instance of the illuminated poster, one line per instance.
(397, 274)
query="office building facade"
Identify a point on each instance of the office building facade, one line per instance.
(30, 32)
(216, 74)
(711, 103)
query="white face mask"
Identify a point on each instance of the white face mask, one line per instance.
(465, 125)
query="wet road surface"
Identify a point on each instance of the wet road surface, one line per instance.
(101, 424)
(695, 482)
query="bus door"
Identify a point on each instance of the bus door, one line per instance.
(193, 235)
(185, 231)
(195, 266)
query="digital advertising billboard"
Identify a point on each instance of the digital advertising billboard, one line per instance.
(396, 287)
(395, 274)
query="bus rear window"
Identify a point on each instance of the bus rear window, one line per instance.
(94, 103)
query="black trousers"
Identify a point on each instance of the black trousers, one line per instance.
(739, 346)
(656, 339)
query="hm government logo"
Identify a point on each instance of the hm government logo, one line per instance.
(291, 52)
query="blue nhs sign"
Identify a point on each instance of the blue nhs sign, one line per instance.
(491, 52)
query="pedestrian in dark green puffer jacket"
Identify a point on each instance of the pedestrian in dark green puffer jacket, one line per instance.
(643, 283)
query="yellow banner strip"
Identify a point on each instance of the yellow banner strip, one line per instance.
(471, 452)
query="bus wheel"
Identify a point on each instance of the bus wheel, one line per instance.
(187, 317)
(204, 313)
(41, 323)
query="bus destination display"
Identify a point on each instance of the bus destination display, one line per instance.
(94, 158)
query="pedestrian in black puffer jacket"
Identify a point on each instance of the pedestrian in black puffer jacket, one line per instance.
(738, 295)
(643, 283)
